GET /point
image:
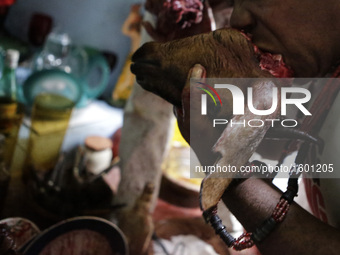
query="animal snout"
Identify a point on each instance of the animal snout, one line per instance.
(147, 54)
(153, 75)
(145, 62)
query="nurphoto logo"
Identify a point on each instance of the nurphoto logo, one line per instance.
(243, 100)
(238, 99)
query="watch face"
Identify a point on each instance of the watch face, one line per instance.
(80, 235)
(52, 82)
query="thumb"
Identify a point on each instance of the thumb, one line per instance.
(182, 112)
(196, 72)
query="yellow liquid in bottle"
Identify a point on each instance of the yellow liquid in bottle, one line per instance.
(49, 121)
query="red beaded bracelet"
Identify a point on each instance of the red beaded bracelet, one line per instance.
(247, 240)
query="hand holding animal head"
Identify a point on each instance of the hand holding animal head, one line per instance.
(162, 68)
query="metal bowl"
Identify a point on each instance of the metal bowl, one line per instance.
(114, 236)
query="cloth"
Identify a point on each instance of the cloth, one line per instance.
(184, 245)
(324, 194)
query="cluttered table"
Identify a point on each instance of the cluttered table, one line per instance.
(42, 208)
(48, 108)
(46, 190)
(49, 193)
(97, 118)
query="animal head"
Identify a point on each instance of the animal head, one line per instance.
(162, 68)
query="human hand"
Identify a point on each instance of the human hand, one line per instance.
(196, 129)
(132, 24)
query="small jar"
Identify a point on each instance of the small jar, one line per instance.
(98, 154)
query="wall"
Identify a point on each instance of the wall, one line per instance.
(95, 23)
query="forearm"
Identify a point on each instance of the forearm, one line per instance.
(253, 201)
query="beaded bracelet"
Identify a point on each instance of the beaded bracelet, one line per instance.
(247, 240)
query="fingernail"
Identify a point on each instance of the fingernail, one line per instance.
(175, 111)
(197, 71)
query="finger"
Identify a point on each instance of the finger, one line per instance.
(197, 72)
(183, 113)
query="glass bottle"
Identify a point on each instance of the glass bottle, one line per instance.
(10, 110)
(59, 53)
(8, 85)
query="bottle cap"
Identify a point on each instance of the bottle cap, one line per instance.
(98, 154)
(98, 143)
(12, 58)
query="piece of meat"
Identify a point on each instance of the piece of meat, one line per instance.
(7, 244)
(178, 19)
(162, 68)
(173, 14)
